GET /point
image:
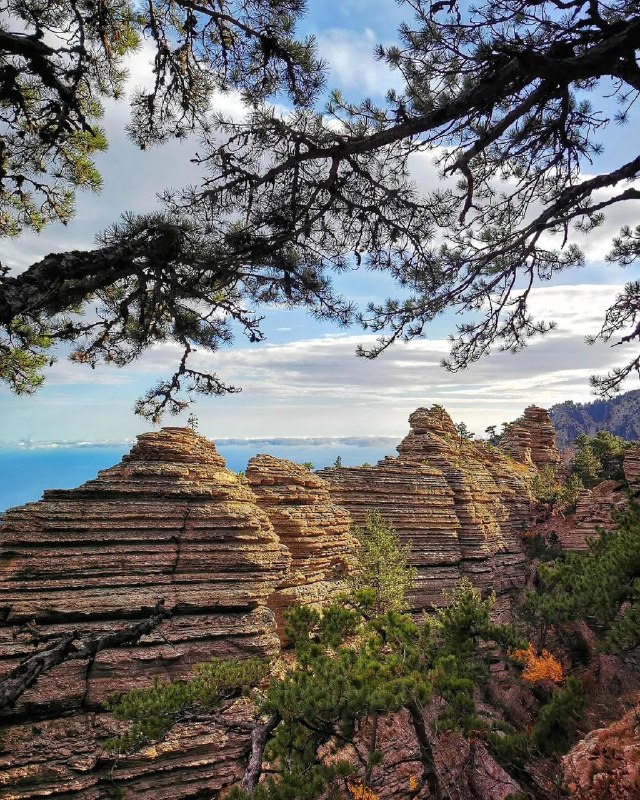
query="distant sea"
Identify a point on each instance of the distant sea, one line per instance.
(26, 472)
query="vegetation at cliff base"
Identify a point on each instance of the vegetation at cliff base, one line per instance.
(594, 460)
(383, 564)
(355, 661)
(352, 665)
(599, 458)
(601, 587)
(549, 487)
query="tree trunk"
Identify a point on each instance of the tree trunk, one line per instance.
(71, 647)
(259, 738)
(429, 773)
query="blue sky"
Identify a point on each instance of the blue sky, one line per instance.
(305, 380)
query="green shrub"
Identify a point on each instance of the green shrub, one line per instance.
(600, 587)
(154, 710)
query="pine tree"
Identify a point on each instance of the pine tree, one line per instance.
(509, 100)
(599, 458)
(601, 587)
(352, 665)
(383, 564)
(464, 432)
(586, 464)
(155, 710)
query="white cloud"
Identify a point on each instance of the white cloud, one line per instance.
(352, 62)
(317, 386)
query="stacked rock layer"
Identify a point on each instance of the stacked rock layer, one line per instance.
(416, 500)
(460, 504)
(168, 523)
(314, 529)
(171, 523)
(532, 439)
(593, 513)
(632, 464)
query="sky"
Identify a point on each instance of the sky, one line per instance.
(305, 380)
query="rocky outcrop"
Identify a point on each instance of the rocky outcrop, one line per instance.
(490, 493)
(464, 768)
(314, 529)
(632, 464)
(593, 513)
(417, 501)
(461, 504)
(169, 522)
(532, 439)
(595, 507)
(223, 553)
(605, 765)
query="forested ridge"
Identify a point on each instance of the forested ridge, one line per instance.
(619, 415)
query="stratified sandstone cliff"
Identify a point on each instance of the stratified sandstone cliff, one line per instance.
(632, 465)
(417, 501)
(315, 530)
(169, 522)
(461, 504)
(531, 439)
(592, 514)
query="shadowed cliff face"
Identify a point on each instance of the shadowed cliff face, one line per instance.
(461, 504)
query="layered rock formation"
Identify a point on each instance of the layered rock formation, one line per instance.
(491, 498)
(315, 530)
(592, 514)
(531, 439)
(417, 501)
(632, 464)
(169, 522)
(461, 505)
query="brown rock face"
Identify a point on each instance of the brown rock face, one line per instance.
(632, 464)
(417, 501)
(465, 770)
(605, 765)
(532, 439)
(595, 506)
(169, 522)
(459, 503)
(593, 512)
(314, 529)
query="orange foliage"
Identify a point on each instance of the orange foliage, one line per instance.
(360, 792)
(413, 783)
(544, 667)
